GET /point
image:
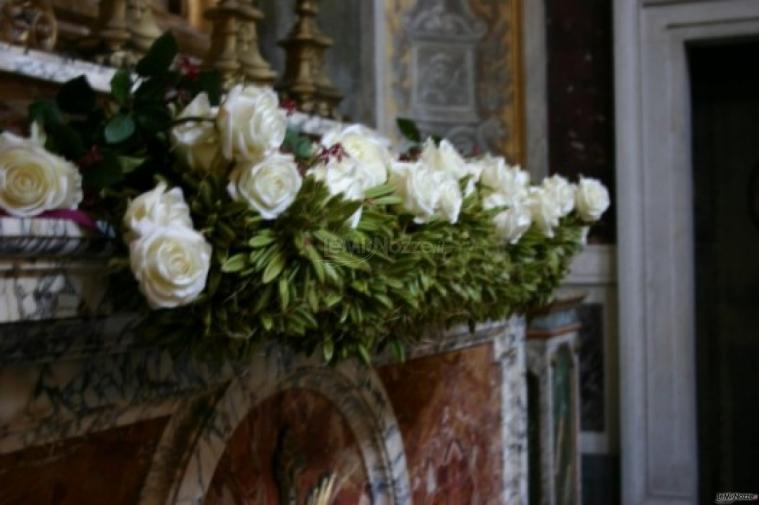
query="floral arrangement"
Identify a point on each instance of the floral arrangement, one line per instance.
(231, 229)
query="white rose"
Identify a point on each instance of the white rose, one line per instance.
(498, 176)
(250, 123)
(348, 177)
(365, 146)
(544, 209)
(156, 208)
(33, 180)
(426, 193)
(170, 265)
(269, 186)
(562, 192)
(515, 220)
(446, 158)
(451, 199)
(412, 183)
(197, 142)
(591, 199)
(512, 223)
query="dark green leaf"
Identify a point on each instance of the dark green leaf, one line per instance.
(328, 349)
(260, 241)
(121, 86)
(274, 268)
(409, 129)
(45, 112)
(235, 263)
(209, 82)
(284, 293)
(363, 352)
(159, 57)
(104, 174)
(76, 96)
(119, 129)
(130, 163)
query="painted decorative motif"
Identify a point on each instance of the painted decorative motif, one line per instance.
(456, 68)
(284, 448)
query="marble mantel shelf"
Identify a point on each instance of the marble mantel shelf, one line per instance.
(70, 367)
(55, 68)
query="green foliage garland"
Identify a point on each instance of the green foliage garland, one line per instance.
(305, 279)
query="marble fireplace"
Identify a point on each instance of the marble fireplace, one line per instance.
(90, 416)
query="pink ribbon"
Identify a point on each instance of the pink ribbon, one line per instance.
(77, 216)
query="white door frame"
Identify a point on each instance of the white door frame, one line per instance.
(655, 238)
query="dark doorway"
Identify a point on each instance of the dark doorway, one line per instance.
(725, 99)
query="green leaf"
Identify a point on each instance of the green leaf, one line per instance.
(284, 293)
(45, 112)
(104, 174)
(399, 350)
(130, 163)
(261, 241)
(364, 353)
(388, 200)
(76, 96)
(274, 268)
(379, 191)
(119, 129)
(409, 129)
(316, 261)
(121, 86)
(235, 263)
(209, 82)
(328, 349)
(159, 57)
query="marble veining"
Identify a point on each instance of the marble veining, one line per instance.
(64, 374)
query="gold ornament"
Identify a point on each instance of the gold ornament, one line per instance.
(254, 67)
(29, 23)
(222, 54)
(305, 79)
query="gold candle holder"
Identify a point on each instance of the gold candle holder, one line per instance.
(222, 54)
(254, 67)
(113, 33)
(305, 80)
(143, 29)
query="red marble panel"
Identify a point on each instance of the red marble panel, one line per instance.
(107, 467)
(297, 431)
(448, 411)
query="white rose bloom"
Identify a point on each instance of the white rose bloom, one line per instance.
(365, 146)
(156, 208)
(251, 124)
(512, 223)
(171, 265)
(33, 180)
(499, 177)
(269, 186)
(197, 142)
(544, 209)
(445, 158)
(515, 220)
(347, 177)
(451, 199)
(426, 193)
(562, 192)
(591, 199)
(413, 184)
